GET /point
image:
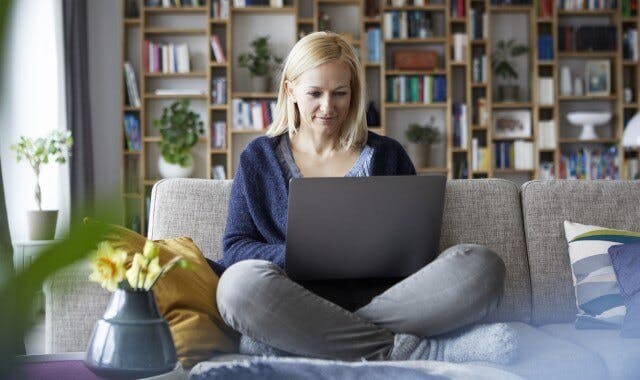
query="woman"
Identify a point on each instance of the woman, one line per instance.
(319, 130)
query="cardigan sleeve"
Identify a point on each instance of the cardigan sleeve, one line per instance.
(242, 240)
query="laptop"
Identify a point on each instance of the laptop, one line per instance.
(381, 227)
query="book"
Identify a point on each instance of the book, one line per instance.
(217, 50)
(133, 95)
(132, 132)
(218, 135)
(218, 172)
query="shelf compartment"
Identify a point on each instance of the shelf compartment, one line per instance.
(175, 9)
(176, 75)
(416, 72)
(175, 31)
(416, 105)
(586, 97)
(430, 40)
(511, 105)
(262, 9)
(254, 95)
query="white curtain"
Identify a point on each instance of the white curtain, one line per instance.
(33, 104)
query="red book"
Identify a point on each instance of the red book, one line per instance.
(461, 12)
(265, 117)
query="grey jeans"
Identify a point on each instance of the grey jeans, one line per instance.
(461, 286)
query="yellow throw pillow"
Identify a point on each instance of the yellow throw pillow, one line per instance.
(186, 298)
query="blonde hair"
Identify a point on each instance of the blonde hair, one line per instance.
(310, 52)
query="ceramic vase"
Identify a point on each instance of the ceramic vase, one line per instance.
(131, 339)
(565, 81)
(42, 224)
(169, 170)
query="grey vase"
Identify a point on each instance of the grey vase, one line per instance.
(132, 339)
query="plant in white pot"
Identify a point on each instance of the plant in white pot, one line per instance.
(260, 62)
(180, 128)
(55, 147)
(420, 140)
(503, 67)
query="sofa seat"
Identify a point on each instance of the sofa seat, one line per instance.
(544, 356)
(621, 355)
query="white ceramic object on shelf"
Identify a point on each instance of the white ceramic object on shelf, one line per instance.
(565, 81)
(588, 121)
(578, 88)
(169, 170)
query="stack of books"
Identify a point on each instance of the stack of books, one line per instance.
(416, 89)
(165, 58)
(253, 115)
(133, 96)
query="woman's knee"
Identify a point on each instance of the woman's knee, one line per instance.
(484, 267)
(239, 285)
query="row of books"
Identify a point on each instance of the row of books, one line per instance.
(373, 44)
(458, 8)
(479, 68)
(219, 134)
(545, 91)
(254, 3)
(132, 132)
(545, 47)
(546, 134)
(133, 96)
(217, 51)
(587, 38)
(407, 24)
(588, 163)
(479, 23)
(252, 115)
(629, 8)
(479, 156)
(220, 9)
(219, 91)
(165, 58)
(589, 5)
(630, 44)
(175, 3)
(416, 89)
(514, 155)
(460, 125)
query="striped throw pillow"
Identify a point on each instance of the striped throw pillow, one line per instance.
(600, 303)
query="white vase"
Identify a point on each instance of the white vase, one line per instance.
(578, 88)
(169, 170)
(565, 81)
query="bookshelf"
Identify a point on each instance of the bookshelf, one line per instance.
(468, 81)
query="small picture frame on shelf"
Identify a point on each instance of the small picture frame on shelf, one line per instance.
(598, 77)
(511, 124)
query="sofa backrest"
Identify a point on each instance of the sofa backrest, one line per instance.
(488, 212)
(484, 212)
(546, 205)
(190, 207)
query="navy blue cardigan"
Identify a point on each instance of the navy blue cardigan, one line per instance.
(257, 220)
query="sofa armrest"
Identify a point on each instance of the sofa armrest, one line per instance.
(73, 304)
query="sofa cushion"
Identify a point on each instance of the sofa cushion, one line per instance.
(621, 355)
(545, 356)
(545, 206)
(190, 207)
(600, 303)
(488, 212)
(625, 259)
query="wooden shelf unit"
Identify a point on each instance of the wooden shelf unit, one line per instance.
(306, 18)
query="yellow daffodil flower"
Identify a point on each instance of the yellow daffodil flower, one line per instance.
(143, 272)
(151, 250)
(108, 266)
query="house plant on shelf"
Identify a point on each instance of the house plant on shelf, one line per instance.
(503, 67)
(260, 62)
(180, 128)
(55, 147)
(131, 326)
(420, 140)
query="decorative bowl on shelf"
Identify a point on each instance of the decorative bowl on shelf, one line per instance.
(588, 121)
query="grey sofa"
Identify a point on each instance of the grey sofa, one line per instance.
(523, 225)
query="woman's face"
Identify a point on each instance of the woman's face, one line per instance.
(323, 95)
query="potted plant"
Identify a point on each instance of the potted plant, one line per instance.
(502, 64)
(132, 319)
(420, 140)
(55, 147)
(260, 62)
(180, 128)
